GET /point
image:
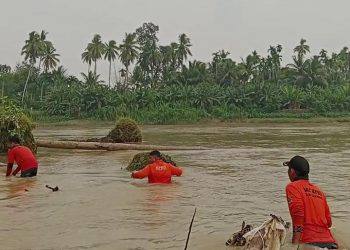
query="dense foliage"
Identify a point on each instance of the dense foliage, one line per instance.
(157, 83)
(141, 160)
(126, 130)
(13, 121)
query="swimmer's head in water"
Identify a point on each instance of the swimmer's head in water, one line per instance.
(154, 155)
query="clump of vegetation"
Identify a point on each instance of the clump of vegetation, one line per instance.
(13, 121)
(141, 160)
(125, 131)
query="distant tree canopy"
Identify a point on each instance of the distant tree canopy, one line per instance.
(161, 82)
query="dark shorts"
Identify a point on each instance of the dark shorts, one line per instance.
(325, 245)
(29, 173)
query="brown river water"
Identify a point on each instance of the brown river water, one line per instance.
(240, 178)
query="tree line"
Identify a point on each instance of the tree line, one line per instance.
(149, 67)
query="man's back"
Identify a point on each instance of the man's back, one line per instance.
(23, 156)
(158, 172)
(310, 212)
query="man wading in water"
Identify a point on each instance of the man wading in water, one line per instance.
(24, 158)
(158, 171)
(308, 207)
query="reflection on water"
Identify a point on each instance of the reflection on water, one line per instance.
(241, 178)
(14, 187)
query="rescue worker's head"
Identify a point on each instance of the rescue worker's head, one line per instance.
(14, 140)
(154, 155)
(298, 168)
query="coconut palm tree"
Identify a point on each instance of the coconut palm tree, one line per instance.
(183, 49)
(129, 51)
(32, 50)
(91, 78)
(302, 49)
(50, 61)
(174, 56)
(95, 50)
(110, 54)
(47, 44)
(87, 58)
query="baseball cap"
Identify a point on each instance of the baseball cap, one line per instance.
(298, 163)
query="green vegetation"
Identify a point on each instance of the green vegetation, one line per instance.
(13, 121)
(126, 130)
(158, 84)
(142, 159)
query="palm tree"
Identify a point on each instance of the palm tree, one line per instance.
(183, 50)
(50, 61)
(47, 43)
(174, 55)
(87, 58)
(110, 54)
(302, 49)
(91, 78)
(128, 52)
(95, 50)
(32, 50)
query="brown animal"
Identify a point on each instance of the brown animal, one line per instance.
(269, 236)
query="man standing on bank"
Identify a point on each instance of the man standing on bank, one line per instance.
(24, 158)
(308, 207)
(158, 171)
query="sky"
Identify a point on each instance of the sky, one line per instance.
(238, 26)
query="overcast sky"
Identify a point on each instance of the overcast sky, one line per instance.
(238, 26)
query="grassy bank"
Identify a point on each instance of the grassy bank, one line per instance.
(41, 118)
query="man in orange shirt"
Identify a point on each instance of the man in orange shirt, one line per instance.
(158, 171)
(24, 158)
(308, 207)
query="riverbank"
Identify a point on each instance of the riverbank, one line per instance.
(269, 118)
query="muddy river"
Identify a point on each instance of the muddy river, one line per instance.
(240, 178)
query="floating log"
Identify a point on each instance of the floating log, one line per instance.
(107, 146)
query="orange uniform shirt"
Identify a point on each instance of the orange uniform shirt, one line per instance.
(310, 212)
(158, 172)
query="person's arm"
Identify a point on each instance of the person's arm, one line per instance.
(297, 212)
(10, 162)
(141, 174)
(9, 169)
(175, 170)
(16, 171)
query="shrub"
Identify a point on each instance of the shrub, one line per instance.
(13, 121)
(125, 130)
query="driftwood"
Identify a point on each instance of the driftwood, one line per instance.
(269, 236)
(107, 146)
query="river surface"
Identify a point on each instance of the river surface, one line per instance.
(240, 178)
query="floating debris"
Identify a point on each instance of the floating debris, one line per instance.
(270, 235)
(53, 189)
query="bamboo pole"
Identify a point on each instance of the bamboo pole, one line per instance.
(107, 146)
